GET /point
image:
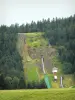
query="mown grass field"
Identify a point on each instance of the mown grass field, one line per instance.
(44, 94)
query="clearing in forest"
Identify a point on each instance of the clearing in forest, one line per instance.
(31, 46)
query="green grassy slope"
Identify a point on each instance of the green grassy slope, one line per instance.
(51, 94)
(36, 46)
(39, 46)
(29, 64)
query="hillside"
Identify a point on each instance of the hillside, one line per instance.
(21, 67)
(31, 46)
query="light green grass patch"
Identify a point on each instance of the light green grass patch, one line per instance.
(36, 39)
(32, 74)
(44, 94)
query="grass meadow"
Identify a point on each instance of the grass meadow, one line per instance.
(41, 94)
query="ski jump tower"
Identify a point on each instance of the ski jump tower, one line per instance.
(45, 75)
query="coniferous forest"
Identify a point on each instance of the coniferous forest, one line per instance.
(60, 33)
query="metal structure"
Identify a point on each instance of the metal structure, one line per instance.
(45, 75)
(61, 82)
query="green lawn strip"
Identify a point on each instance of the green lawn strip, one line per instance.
(44, 94)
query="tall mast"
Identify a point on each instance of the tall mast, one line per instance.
(43, 64)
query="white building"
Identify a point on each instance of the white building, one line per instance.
(54, 70)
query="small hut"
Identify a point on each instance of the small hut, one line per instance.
(54, 71)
